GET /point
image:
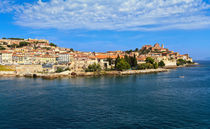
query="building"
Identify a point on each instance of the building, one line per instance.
(48, 59)
(63, 58)
(6, 57)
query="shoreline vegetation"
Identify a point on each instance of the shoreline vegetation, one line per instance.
(69, 74)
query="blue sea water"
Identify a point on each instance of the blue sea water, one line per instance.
(162, 100)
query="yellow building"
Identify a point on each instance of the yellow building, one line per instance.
(18, 59)
(48, 59)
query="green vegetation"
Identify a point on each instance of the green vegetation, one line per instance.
(59, 70)
(12, 46)
(145, 66)
(52, 44)
(181, 62)
(129, 51)
(2, 48)
(145, 51)
(161, 64)
(15, 38)
(72, 50)
(47, 48)
(22, 44)
(150, 64)
(150, 60)
(132, 61)
(6, 68)
(122, 64)
(155, 65)
(110, 60)
(93, 68)
(116, 61)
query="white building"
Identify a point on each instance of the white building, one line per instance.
(63, 58)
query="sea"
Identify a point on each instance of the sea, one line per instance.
(179, 98)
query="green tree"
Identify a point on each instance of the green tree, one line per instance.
(134, 61)
(142, 66)
(110, 60)
(127, 59)
(72, 49)
(155, 65)
(16, 38)
(150, 60)
(161, 64)
(145, 66)
(52, 44)
(12, 46)
(128, 51)
(93, 68)
(136, 50)
(116, 61)
(181, 62)
(122, 65)
(22, 44)
(59, 70)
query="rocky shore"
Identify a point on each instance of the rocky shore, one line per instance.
(70, 74)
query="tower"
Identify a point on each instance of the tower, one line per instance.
(162, 46)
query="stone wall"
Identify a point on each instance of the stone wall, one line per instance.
(28, 69)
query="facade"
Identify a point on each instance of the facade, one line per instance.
(6, 58)
(48, 59)
(63, 58)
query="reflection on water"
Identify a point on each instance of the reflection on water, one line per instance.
(162, 100)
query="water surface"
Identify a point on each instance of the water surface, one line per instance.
(163, 100)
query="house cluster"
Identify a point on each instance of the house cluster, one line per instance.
(41, 52)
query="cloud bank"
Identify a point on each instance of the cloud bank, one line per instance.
(138, 15)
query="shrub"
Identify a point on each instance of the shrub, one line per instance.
(122, 65)
(93, 68)
(22, 44)
(155, 65)
(161, 64)
(145, 66)
(59, 70)
(150, 60)
(181, 62)
(52, 44)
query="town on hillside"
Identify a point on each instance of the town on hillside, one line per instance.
(40, 55)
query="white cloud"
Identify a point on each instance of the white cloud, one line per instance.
(115, 14)
(5, 6)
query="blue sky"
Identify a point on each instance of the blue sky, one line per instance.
(102, 25)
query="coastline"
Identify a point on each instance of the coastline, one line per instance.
(70, 74)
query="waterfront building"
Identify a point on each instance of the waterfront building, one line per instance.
(6, 57)
(63, 58)
(48, 59)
